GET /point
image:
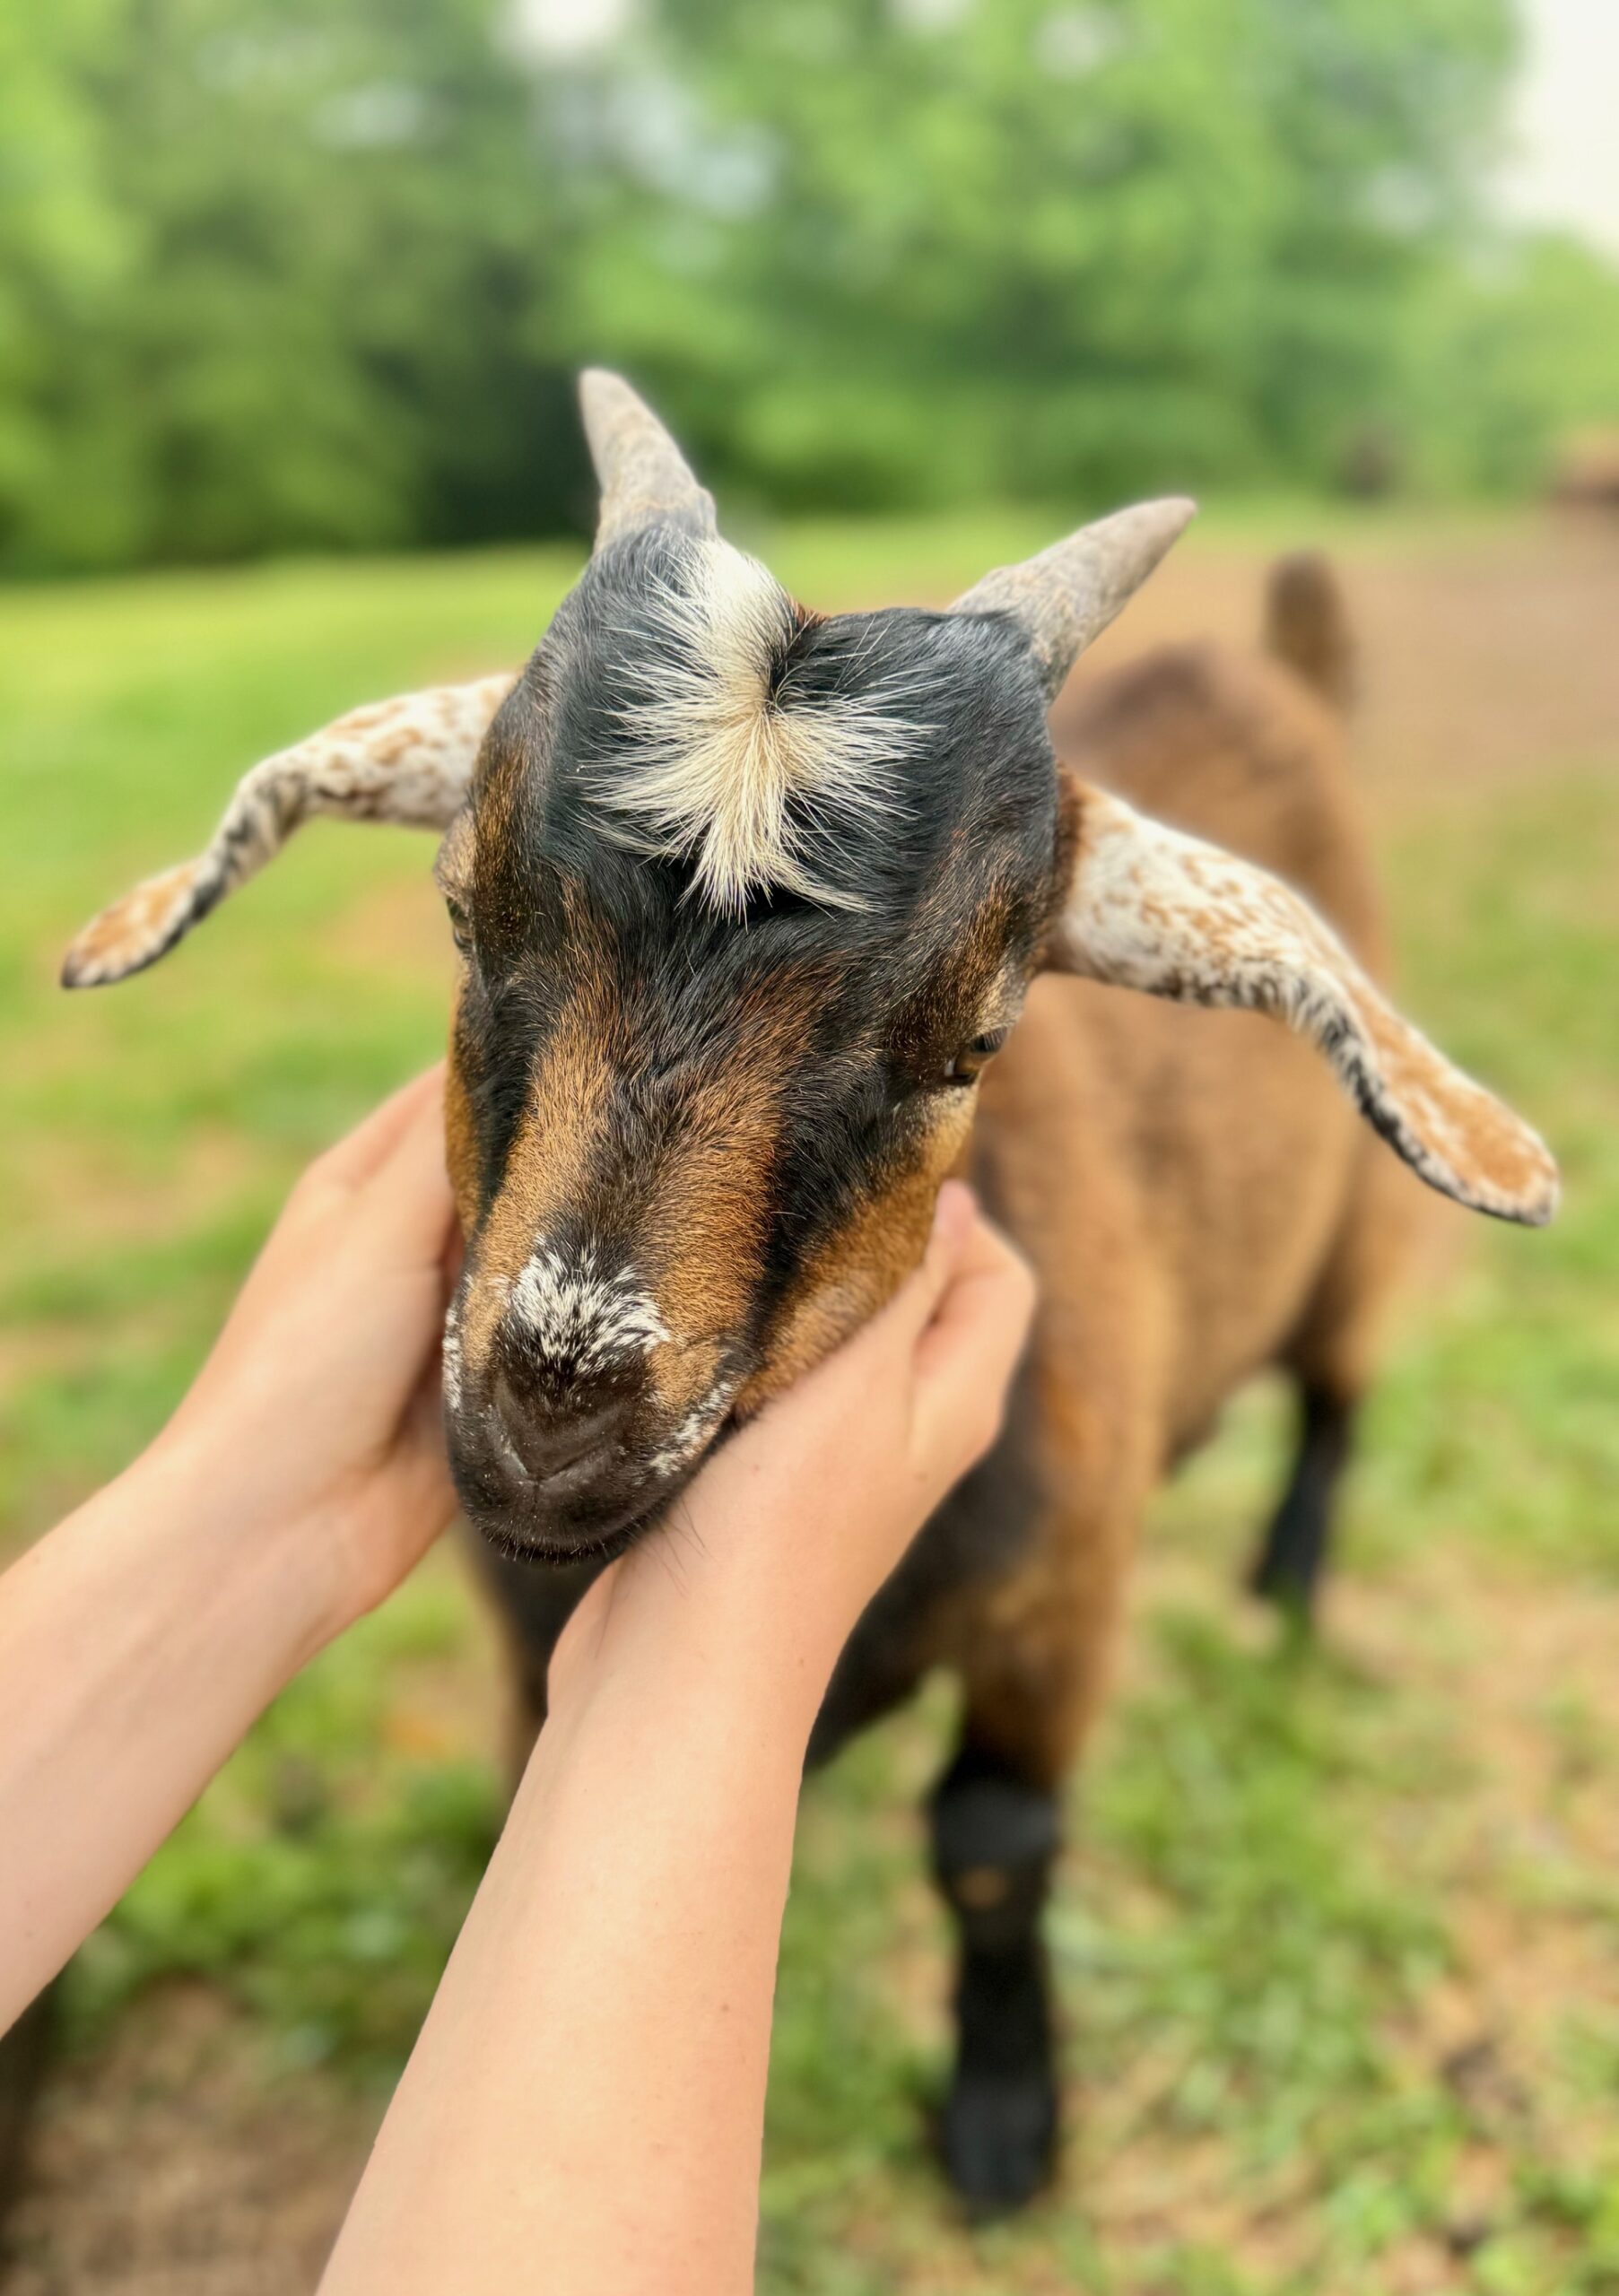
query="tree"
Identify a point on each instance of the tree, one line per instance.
(318, 257)
(315, 273)
(944, 249)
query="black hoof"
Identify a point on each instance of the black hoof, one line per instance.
(999, 2137)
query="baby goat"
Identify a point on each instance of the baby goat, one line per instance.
(749, 901)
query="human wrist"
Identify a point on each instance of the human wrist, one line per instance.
(790, 1567)
(657, 1648)
(199, 1482)
(718, 1627)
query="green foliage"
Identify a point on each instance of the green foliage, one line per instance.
(1510, 358)
(276, 268)
(282, 274)
(1030, 247)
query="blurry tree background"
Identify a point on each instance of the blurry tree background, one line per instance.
(315, 273)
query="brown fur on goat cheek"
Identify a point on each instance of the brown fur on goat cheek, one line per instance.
(864, 1264)
(460, 1138)
(705, 1238)
(705, 1232)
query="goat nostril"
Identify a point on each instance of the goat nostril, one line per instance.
(547, 1442)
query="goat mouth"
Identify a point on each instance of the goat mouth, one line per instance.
(558, 1522)
(529, 1523)
(524, 1544)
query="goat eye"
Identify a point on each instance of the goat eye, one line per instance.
(965, 1068)
(460, 932)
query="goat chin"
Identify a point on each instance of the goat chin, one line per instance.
(519, 1540)
(531, 1522)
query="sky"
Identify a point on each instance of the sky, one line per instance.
(1565, 125)
(1564, 163)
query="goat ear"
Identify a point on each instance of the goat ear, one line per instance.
(409, 760)
(1150, 908)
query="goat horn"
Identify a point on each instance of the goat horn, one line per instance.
(408, 760)
(642, 472)
(1067, 596)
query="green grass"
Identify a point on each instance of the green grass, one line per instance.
(1304, 1884)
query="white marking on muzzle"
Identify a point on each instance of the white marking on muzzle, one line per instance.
(577, 1317)
(451, 1354)
(694, 1430)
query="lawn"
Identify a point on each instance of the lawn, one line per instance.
(1337, 1942)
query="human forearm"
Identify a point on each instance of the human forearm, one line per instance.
(298, 1482)
(585, 2106)
(138, 1641)
(584, 2109)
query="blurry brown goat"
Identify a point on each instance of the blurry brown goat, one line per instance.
(749, 901)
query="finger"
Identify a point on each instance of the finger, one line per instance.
(406, 1210)
(990, 1283)
(879, 1353)
(324, 1189)
(351, 1160)
(423, 1422)
(914, 1305)
(966, 1356)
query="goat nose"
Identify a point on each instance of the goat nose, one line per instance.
(548, 1439)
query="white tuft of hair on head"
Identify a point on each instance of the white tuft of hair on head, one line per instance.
(717, 763)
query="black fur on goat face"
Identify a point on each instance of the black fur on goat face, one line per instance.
(746, 898)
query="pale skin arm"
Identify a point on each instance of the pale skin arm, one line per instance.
(296, 1484)
(585, 2107)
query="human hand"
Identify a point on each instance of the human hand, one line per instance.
(794, 1523)
(317, 1416)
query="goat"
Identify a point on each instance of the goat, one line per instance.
(762, 920)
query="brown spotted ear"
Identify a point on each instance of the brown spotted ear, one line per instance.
(1150, 908)
(407, 760)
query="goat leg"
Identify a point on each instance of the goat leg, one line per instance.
(1288, 1569)
(995, 1835)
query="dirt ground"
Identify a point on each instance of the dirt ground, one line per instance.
(168, 2165)
(1482, 662)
